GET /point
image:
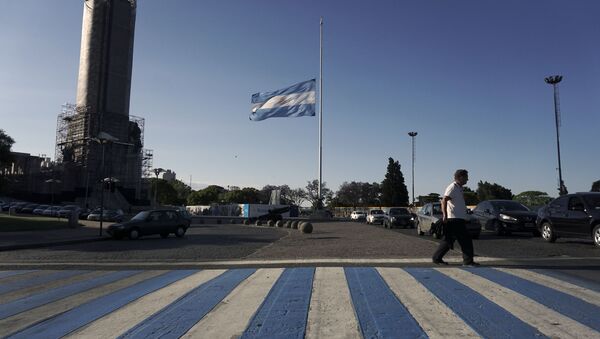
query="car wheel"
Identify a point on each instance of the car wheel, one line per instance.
(596, 235)
(180, 232)
(164, 235)
(548, 233)
(134, 234)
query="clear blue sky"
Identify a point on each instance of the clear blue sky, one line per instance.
(467, 75)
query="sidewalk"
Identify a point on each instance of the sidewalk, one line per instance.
(90, 231)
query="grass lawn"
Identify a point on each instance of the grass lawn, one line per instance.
(15, 223)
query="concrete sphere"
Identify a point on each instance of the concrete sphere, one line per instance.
(271, 223)
(246, 222)
(288, 224)
(306, 227)
(279, 223)
(295, 224)
(258, 223)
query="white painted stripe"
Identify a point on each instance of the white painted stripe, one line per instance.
(546, 320)
(28, 318)
(231, 316)
(14, 295)
(589, 296)
(118, 322)
(293, 99)
(331, 313)
(436, 319)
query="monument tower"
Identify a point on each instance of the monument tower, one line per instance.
(97, 139)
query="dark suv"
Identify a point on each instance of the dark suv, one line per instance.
(571, 216)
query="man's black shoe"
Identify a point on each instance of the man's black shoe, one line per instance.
(440, 262)
(472, 264)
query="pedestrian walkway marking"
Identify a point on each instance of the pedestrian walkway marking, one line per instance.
(378, 310)
(331, 313)
(177, 318)
(283, 313)
(568, 305)
(435, 317)
(307, 302)
(546, 320)
(486, 317)
(38, 279)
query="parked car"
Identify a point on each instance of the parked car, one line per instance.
(39, 210)
(18, 206)
(28, 209)
(163, 222)
(375, 217)
(571, 216)
(399, 217)
(51, 211)
(107, 215)
(358, 215)
(83, 213)
(431, 214)
(66, 211)
(505, 216)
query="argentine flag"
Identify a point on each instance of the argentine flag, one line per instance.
(295, 101)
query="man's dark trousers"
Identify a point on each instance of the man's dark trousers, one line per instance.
(455, 229)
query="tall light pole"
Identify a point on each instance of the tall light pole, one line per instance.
(554, 80)
(157, 171)
(412, 136)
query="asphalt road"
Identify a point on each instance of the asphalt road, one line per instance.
(331, 240)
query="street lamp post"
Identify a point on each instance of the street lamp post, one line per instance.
(412, 136)
(554, 80)
(157, 171)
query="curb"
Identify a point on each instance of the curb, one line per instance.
(50, 244)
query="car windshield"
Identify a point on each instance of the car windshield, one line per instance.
(508, 206)
(141, 216)
(399, 211)
(593, 201)
(376, 212)
(437, 209)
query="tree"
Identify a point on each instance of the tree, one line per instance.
(6, 143)
(533, 198)
(431, 197)
(488, 191)
(183, 191)
(247, 195)
(596, 186)
(312, 189)
(296, 196)
(355, 194)
(470, 196)
(166, 194)
(393, 189)
(207, 196)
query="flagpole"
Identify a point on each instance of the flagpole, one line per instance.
(320, 113)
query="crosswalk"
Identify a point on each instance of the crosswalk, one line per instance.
(302, 302)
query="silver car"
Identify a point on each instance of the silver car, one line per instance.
(431, 214)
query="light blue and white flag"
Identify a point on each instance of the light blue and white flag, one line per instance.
(295, 101)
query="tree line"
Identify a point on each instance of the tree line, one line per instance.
(391, 191)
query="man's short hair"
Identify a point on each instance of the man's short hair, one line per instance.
(460, 173)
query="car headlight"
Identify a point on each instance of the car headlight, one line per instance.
(412, 218)
(507, 217)
(393, 219)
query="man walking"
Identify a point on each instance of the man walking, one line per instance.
(454, 211)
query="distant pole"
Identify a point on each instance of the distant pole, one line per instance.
(554, 80)
(320, 113)
(412, 136)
